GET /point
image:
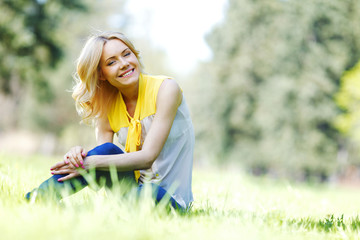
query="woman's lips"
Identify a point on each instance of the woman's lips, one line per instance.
(127, 73)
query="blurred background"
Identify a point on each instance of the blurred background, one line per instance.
(273, 85)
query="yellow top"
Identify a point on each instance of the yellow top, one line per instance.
(145, 106)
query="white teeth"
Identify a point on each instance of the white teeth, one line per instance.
(127, 74)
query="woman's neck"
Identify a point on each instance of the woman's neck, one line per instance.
(130, 97)
(130, 94)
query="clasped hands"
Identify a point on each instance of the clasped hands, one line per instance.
(72, 165)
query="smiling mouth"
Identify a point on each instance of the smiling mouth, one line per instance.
(127, 73)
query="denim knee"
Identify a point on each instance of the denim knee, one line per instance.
(105, 149)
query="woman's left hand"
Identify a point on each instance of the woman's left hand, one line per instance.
(66, 169)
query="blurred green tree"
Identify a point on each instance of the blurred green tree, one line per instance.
(28, 45)
(40, 41)
(275, 68)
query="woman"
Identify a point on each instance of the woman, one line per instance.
(148, 113)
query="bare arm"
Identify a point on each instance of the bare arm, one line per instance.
(103, 131)
(74, 158)
(168, 100)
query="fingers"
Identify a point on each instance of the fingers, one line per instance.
(76, 156)
(69, 176)
(58, 165)
(84, 153)
(65, 169)
(62, 171)
(66, 159)
(73, 159)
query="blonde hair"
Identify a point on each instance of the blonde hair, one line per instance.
(93, 97)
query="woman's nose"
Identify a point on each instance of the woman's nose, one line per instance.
(123, 63)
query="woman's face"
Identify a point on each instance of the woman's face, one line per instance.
(119, 65)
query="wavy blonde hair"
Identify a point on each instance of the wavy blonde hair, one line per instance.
(93, 97)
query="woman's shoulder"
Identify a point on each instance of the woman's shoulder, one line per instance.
(152, 84)
(170, 86)
(154, 81)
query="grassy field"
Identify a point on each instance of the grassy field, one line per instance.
(228, 205)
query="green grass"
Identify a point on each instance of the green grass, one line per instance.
(228, 205)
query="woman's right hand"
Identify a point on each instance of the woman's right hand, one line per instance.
(76, 156)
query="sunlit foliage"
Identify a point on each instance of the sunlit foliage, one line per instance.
(28, 43)
(267, 95)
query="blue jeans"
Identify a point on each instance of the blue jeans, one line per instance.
(51, 188)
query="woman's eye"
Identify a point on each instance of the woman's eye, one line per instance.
(127, 54)
(110, 63)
